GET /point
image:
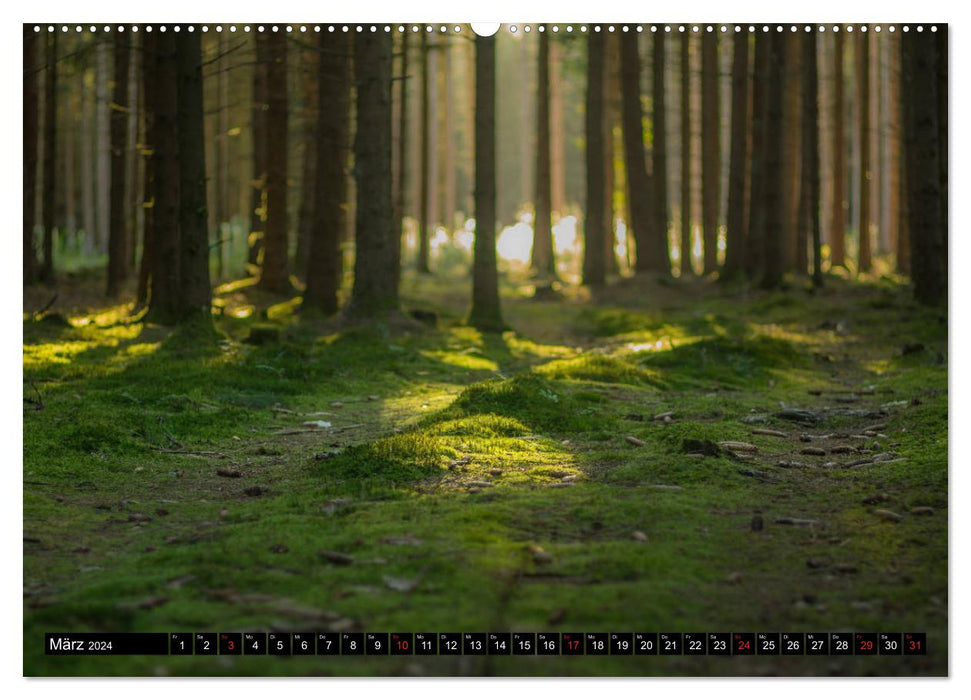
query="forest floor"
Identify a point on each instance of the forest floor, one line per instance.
(665, 457)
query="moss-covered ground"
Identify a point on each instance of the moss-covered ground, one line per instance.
(576, 473)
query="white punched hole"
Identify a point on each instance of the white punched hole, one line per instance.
(486, 28)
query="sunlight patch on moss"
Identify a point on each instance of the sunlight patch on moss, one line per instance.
(521, 347)
(464, 360)
(600, 368)
(483, 425)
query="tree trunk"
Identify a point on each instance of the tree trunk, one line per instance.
(448, 138)
(594, 268)
(710, 143)
(686, 267)
(809, 191)
(68, 137)
(544, 266)
(942, 100)
(259, 134)
(837, 234)
(659, 155)
(425, 175)
(308, 183)
(895, 214)
(755, 241)
(638, 184)
(738, 166)
(164, 306)
(149, 73)
(195, 292)
(774, 143)
(792, 247)
(223, 213)
(557, 137)
(274, 276)
(401, 174)
(611, 98)
(118, 229)
(50, 143)
(375, 294)
(863, 82)
(923, 64)
(31, 135)
(325, 262)
(132, 178)
(526, 125)
(485, 314)
(102, 109)
(87, 143)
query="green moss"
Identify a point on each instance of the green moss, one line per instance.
(486, 425)
(528, 398)
(395, 459)
(720, 361)
(123, 502)
(600, 368)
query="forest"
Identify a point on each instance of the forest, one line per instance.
(401, 327)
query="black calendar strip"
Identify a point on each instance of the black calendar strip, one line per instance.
(488, 644)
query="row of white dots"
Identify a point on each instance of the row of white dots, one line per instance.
(259, 28)
(512, 28)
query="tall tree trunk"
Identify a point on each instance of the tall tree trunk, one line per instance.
(50, 144)
(686, 267)
(923, 65)
(544, 266)
(132, 178)
(325, 262)
(792, 247)
(557, 137)
(274, 276)
(305, 216)
(594, 267)
(611, 110)
(774, 143)
(88, 206)
(375, 293)
(448, 138)
(195, 298)
(526, 124)
(31, 135)
(149, 73)
(738, 165)
(118, 230)
(638, 183)
(863, 82)
(401, 164)
(659, 154)
(903, 241)
(103, 145)
(894, 212)
(809, 192)
(942, 101)
(710, 142)
(755, 240)
(223, 213)
(68, 136)
(166, 264)
(259, 134)
(425, 175)
(837, 234)
(485, 314)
